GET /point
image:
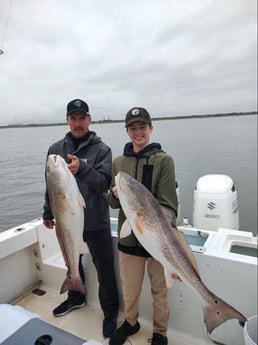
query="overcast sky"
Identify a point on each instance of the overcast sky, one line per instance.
(174, 57)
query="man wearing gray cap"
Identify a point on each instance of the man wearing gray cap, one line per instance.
(90, 161)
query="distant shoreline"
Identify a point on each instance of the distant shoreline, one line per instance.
(117, 121)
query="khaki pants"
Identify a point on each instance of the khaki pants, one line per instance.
(132, 273)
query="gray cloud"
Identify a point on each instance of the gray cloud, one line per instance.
(173, 57)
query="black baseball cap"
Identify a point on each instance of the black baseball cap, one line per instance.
(137, 114)
(77, 105)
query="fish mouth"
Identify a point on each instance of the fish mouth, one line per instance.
(124, 186)
(121, 181)
(118, 180)
(55, 159)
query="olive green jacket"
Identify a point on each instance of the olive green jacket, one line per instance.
(155, 169)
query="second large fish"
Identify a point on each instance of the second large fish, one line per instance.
(169, 246)
(67, 206)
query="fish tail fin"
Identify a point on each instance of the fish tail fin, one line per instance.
(218, 311)
(74, 285)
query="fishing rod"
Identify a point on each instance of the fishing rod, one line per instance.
(5, 28)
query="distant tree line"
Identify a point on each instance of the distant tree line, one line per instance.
(115, 121)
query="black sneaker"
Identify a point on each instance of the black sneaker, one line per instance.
(124, 331)
(158, 339)
(109, 326)
(67, 306)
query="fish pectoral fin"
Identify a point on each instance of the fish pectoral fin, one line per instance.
(187, 250)
(138, 223)
(125, 229)
(70, 199)
(72, 205)
(169, 279)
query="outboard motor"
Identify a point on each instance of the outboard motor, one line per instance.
(215, 203)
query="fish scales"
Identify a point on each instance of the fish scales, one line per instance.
(67, 206)
(168, 245)
(170, 248)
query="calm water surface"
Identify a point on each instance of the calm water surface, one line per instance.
(222, 145)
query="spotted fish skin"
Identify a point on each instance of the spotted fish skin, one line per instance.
(147, 219)
(67, 206)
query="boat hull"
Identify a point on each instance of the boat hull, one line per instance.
(30, 257)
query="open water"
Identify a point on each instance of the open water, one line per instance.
(199, 146)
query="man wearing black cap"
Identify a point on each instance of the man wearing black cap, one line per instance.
(90, 160)
(149, 164)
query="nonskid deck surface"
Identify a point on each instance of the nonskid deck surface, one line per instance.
(85, 322)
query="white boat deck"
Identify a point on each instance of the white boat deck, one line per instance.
(30, 258)
(85, 322)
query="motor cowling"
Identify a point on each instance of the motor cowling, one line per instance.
(215, 203)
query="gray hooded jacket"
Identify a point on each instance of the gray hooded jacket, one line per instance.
(93, 177)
